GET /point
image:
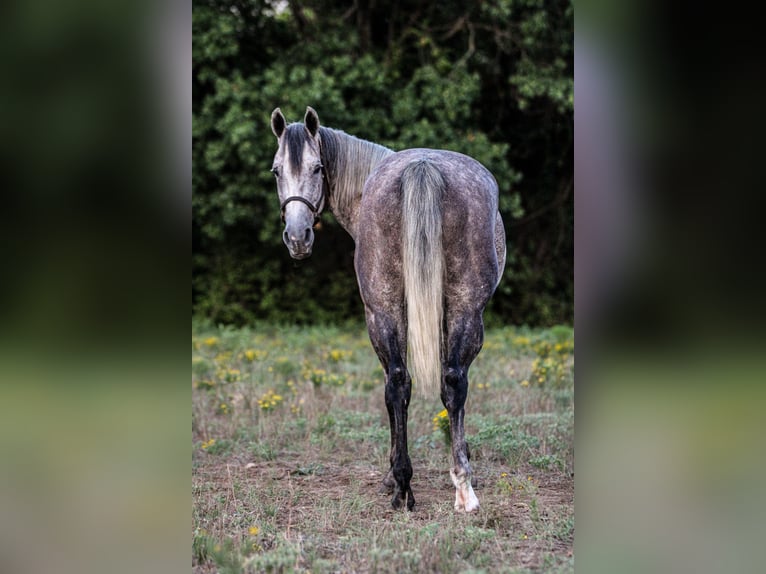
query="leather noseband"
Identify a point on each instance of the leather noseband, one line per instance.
(303, 200)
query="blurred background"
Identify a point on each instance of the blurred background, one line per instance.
(669, 317)
(95, 165)
(493, 80)
(96, 170)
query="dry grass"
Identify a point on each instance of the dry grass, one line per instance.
(290, 443)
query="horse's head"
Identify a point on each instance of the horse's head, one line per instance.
(298, 169)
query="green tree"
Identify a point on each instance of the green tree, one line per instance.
(490, 79)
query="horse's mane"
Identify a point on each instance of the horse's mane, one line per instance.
(348, 161)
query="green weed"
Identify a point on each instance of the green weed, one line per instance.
(290, 433)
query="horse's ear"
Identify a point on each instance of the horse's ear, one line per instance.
(278, 123)
(312, 121)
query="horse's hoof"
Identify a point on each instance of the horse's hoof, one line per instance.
(465, 498)
(410, 501)
(396, 502)
(466, 502)
(402, 497)
(388, 484)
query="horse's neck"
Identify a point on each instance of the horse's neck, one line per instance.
(350, 161)
(346, 212)
(347, 216)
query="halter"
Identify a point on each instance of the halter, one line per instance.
(305, 201)
(316, 211)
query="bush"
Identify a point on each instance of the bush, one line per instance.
(492, 80)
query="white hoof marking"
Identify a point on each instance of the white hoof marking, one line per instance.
(465, 497)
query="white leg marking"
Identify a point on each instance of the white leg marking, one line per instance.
(465, 498)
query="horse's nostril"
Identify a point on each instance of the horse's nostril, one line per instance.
(286, 237)
(307, 235)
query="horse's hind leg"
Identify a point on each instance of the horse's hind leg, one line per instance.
(464, 339)
(386, 335)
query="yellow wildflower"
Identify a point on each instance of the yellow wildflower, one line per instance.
(337, 355)
(441, 420)
(229, 375)
(440, 415)
(269, 400)
(253, 530)
(254, 355)
(317, 376)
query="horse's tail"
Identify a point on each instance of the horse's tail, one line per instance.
(423, 262)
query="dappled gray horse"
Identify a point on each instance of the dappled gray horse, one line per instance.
(430, 251)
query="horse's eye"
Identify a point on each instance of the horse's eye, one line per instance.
(275, 170)
(317, 168)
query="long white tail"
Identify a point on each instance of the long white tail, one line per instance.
(423, 261)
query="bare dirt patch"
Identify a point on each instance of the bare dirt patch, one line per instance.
(290, 445)
(529, 526)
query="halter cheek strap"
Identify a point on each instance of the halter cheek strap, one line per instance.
(317, 211)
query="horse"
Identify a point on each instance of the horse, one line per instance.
(429, 254)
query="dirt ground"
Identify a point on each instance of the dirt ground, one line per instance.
(508, 515)
(290, 443)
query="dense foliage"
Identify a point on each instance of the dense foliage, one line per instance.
(492, 79)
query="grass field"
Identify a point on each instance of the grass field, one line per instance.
(290, 442)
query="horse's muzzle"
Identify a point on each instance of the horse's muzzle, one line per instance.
(299, 242)
(299, 254)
